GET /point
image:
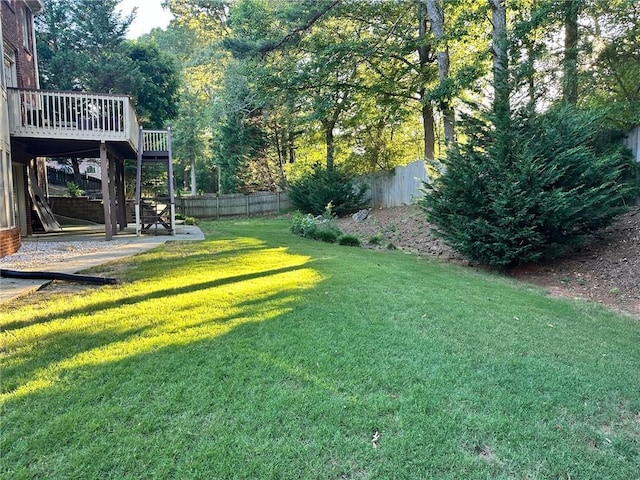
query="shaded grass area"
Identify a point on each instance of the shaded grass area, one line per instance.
(259, 354)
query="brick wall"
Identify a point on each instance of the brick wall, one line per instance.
(84, 209)
(12, 14)
(9, 241)
(78, 207)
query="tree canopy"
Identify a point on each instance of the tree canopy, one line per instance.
(82, 46)
(270, 88)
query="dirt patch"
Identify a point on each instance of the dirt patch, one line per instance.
(607, 270)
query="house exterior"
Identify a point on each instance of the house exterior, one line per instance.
(19, 70)
(89, 167)
(37, 124)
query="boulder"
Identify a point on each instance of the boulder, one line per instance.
(361, 215)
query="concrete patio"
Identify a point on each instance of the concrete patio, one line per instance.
(125, 244)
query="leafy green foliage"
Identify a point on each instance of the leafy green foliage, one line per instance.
(320, 228)
(376, 239)
(315, 190)
(349, 240)
(82, 47)
(156, 92)
(325, 232)
(301, 224)
(532, 193)
(74, 189)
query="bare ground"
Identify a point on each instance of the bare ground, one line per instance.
(607, 270)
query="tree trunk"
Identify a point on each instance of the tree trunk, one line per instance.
(502, 89)
(427, 110)
(436, 17)
(292, 148)
(570, 81)
(429, 131)
(194, 188)
(75, 165)
(531, 85)
(329, 142)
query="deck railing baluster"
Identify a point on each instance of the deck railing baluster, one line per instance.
(72, 115)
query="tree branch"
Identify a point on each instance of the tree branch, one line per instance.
(270, 48)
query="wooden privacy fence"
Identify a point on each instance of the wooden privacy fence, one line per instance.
(393, 188)
(233, 204)
(632, 141)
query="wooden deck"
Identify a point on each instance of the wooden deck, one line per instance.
(56, 123)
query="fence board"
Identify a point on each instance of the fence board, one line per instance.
(633, 143)
(59, 177)
(233, 204)
(397, 187)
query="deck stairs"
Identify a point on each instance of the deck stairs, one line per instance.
(155, 194)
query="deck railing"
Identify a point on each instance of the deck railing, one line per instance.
(71, 115)
(155, 141)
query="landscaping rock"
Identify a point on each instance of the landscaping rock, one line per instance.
(360, 216)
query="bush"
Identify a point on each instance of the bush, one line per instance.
(533, 193)
(326, 232)
(315, 190)
(349, 240)
(74, 190)
(302, 224)
(316, 228)
(376, 239)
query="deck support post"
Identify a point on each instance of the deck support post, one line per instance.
(113, 199)
(121, 195)
(106, 199)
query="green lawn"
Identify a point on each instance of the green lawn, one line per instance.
(257, 354)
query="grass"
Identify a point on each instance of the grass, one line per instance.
(258, 354)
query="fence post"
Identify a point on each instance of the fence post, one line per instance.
(218, 207)
(247, 197)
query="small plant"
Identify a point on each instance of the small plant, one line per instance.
(376, 239)
(302, 225)
(190, 221)
(349, 240)
(180, 216)
(74, 190)
(328, 212)
(391, 246)
(326, 233)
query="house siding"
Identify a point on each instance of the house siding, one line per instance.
(12, 13)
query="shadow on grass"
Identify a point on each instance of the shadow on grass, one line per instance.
(177, 307)
(122, 301)
(21, 368)
(62, 347)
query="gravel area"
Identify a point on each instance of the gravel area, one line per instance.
(33, 254)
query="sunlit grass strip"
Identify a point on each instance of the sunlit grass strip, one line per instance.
(187, 304)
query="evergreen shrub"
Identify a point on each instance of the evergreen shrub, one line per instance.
(531, 193)
(315, 190)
